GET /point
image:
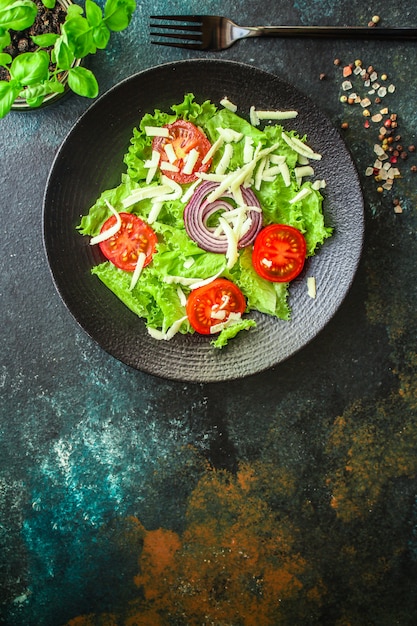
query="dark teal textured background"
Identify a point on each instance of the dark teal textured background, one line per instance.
(96, 459)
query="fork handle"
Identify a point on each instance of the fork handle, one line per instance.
(342, 32)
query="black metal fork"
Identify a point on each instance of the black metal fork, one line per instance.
(211, 32)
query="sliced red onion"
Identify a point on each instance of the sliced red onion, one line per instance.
(198, 211)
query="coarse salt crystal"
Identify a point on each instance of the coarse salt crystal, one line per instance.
(391, 88)
(365, 102)
(377, 117)
(346, 85)
(382, 91)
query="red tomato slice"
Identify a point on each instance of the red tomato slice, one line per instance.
(133, 237)
(279, 253)
(183, 137)
(221, 294)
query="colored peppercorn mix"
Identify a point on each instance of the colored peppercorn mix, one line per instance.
(362, 85)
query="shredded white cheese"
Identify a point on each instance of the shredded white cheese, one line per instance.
(138, 270)
(214, 147)
(232, 254)
(187, 194)
(167, 166)
(229, 134)
(152, 166)
(192, 283)
(155, 211)
(170, 152)
(156, 131)
(276, 115)
(302, 171)
(285, 173)
(166, 336)
(300, 147)
(225, 102)
(311, 286)
(248, 149)
(303, 193)
(181, 296)
(110, 232)
(143, 193)
(191, 160)
(254, 119)
(232, 319)
(225, 160)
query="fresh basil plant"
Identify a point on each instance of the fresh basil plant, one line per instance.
(31, 76)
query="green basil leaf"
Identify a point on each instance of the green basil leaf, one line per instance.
(18, 15)
(74, 10)
(5, 59)
(8, 94)
(63, 56)
(30, 67)
(49, 4)
(101, 36)
(83, 82)
(118, 13)
(79, 36)
(5, 39)
(55, 86)
(34, 103)
(45, 41)
(93, 13)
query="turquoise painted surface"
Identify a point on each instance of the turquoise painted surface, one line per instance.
(124, 498)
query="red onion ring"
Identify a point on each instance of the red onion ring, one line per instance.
(198, 211)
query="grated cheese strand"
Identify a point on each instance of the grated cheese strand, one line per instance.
(110, 232)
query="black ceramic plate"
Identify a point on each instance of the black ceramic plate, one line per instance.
(91, 160)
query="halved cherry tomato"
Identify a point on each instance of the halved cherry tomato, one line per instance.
(133, 237)
(279, 253)
(183, 137)
(204, 303)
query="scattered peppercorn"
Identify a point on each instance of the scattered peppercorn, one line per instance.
(390, 150)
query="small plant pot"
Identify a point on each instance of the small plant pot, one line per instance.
(43, 49)
(20, 104)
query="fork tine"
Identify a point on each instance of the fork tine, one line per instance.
(187, 36)
(171, 44)
(194, 38)
(188, 27)
(178, 18)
